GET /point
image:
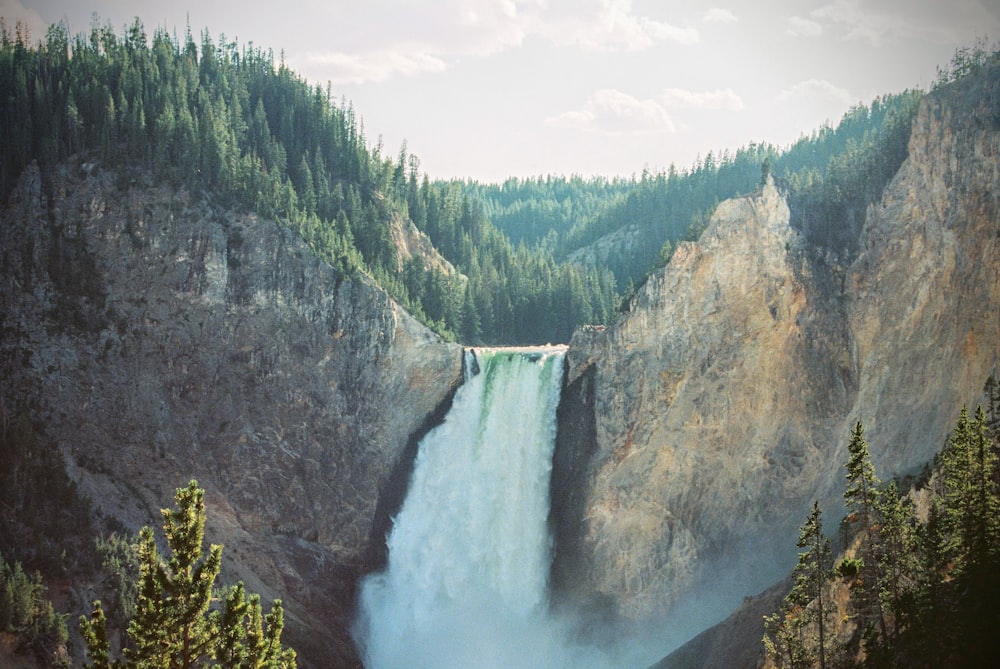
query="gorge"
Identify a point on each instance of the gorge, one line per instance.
(153, 335)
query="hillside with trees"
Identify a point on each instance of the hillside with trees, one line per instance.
(917, 581)
(234, 124)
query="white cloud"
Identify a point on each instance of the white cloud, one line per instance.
(887, 22)
(817, 91)
(800, 27)
(719, 99)
(613, 112)
(426, 38)
(613, 26)
(872, 27)
(356, 68)
(407, 39)
(719, 15)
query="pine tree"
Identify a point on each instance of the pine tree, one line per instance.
(247, 640)
(972, 506)
(173, 627)
(787, 639)
(972, 511)
(814, 569)
(897, 551)
(861, 497)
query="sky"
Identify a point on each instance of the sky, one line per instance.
(488, 89)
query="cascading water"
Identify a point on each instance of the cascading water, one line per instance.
(469, 553)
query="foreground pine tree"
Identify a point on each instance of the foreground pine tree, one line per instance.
(173, 626)
(788, 639)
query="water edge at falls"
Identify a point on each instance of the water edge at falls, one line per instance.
(466, 583)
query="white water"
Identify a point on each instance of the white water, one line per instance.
(469, 553)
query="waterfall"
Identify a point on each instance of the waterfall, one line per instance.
(469, 552)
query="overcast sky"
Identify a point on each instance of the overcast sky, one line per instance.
(494, 88)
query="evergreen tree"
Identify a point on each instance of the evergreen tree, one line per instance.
(813, 570)
(29, 617)
(861, 497)
(248, 640)
(972, 507)
(897, 555)
(972, 511)
(172, 627)
(804, 608)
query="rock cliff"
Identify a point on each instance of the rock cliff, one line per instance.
(160, 339)
(722, 402)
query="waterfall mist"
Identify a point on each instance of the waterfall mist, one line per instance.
(466, 583)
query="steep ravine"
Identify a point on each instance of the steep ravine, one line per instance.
(722, 402)
(158, 338)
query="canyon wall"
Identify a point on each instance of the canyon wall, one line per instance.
(722, 402)
(156, 339)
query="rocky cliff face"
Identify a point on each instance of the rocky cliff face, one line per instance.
(158, 339)
(723, 401)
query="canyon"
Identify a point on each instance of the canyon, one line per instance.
(156, 337)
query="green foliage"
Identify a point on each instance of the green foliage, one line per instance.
(29, 616)
(540, 211)
(862, 497)
(969, 474)
(968, 61)
(173, 626)
(120, 562)
(833, 175)
(796, 636)
(861, 494)
(247, 640)
(233, 123)
(849, 567)
(925, 592)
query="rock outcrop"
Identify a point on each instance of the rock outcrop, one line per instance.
(723, 401)
(158, 339)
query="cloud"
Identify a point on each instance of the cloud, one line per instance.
(817, 91)
(719, 99)
(424, 38)
(800, 27)
(613, 112)
(377, 40)
(718, 15)
(869, 26)
(614, 26)
(887, 22)
(357, 68)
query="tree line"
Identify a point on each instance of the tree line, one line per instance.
(923, 578)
